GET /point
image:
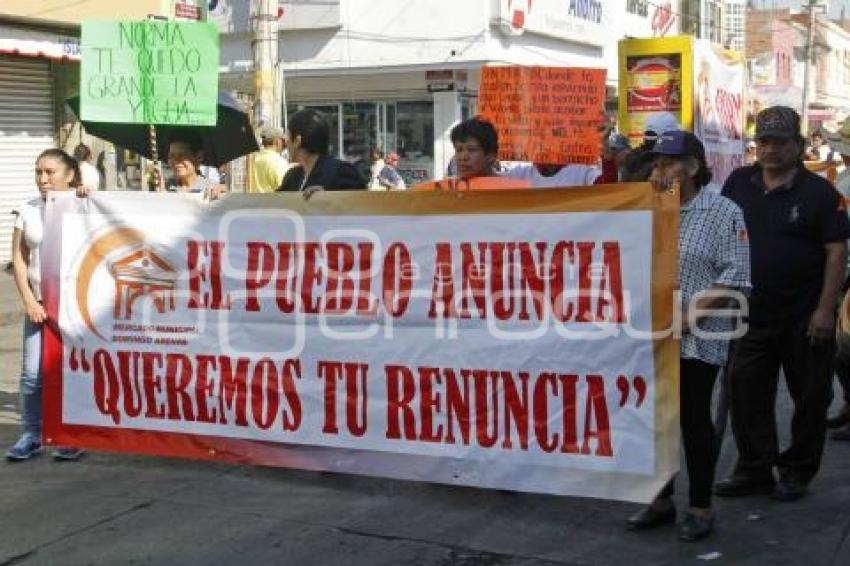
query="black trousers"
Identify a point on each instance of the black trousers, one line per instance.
(754, 376)
(696, 384)
(842, 372)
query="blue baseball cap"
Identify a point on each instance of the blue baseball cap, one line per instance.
(679, 143)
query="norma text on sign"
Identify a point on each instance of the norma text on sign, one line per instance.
(149, 72)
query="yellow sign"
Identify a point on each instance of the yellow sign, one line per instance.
(657, 76)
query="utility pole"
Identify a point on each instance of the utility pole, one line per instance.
(809, 51)
(266, 105)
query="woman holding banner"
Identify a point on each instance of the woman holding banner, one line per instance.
(714, 269)
(55, 170)
(185, 155)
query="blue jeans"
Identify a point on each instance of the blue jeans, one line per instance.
(31, 379)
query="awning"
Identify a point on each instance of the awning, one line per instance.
(41, 44)
(821, 114)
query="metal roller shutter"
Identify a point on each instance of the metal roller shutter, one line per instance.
(26, 129)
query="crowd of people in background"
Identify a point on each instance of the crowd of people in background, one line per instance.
(776, 233)
(307, 139)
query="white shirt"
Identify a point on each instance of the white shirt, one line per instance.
(211, 173)
(375, 169)
(713, 249)
(824, 152)
(195, 192)
(568, 176)
(30, 222)
(90, 175)
(842, 182)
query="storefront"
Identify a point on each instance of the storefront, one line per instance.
(409, 112)
(30, 62)
(404, 127)
(399, 75)
(386, 80)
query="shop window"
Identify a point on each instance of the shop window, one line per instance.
(415, 142)
(390, 138)
(406, 128)
(468, 106)
(359, 129)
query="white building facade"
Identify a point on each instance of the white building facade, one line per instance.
(829, 92)
(33, 69)
(398, 75)
(734, 24)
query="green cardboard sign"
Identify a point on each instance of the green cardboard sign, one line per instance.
(149, 72)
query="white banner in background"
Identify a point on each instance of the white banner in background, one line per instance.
(719, 108)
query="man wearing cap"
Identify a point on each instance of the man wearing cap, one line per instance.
(638, 164)
(713, 261)
(798, 229)
(269, 165)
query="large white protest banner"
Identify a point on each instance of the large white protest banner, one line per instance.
(510, 339)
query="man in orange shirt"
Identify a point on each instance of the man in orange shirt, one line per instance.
(476, 145)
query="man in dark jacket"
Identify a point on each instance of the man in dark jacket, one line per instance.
(798, 229)
(308, 140)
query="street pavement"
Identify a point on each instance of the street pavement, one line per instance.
(120, 509)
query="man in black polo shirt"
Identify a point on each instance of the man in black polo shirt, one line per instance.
(797, 229)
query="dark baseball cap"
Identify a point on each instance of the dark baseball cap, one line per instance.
(679, 143)
(777, 122)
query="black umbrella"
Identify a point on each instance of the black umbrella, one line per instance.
(231, 137)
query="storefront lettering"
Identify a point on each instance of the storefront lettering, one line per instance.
(729, 112)
(590, 10)
(662, 20)
(638, 7)
(71, 47)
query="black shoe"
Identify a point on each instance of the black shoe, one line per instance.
(741, 486)
(695, 527)
(841, 419)
(649, 517)
(789, 489)
(842, 433)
